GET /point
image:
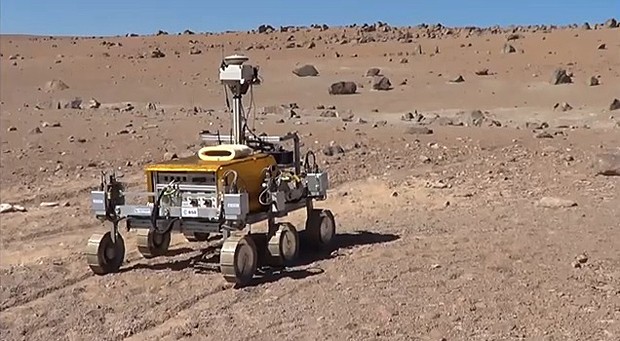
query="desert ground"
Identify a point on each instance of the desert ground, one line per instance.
(479, 208)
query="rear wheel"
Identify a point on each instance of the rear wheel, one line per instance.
(284, 245)
(196, 236)
(153, 244)
(320, 229)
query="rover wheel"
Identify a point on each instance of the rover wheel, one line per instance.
(103, 255)
(238, 259)
(152, 244)
(283, 247)
(320, 228)
(196, 236)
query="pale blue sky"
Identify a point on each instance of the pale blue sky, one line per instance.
(117, 17)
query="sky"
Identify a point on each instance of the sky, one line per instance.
(119, 17)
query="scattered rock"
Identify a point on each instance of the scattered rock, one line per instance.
(373, 72)
(593, 81)
(169, 156)
(458, 79)
(157, 53)
(482, 72)
(560, 76)
(615, 105)
(508, 49)
(306, 71)
(552, 202)
(93, 104)
(342, 88)
(475, 118)
(8, 208)
(418, 131)
(381, 83)
(55, 85)
(329, 113)
(333, 150)
(580, 260)
(544, 135)
(562, 107)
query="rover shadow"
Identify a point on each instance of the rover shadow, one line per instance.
(207, 259)
(308, 256)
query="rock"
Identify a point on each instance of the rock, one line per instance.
(593, 81)
(333, 150)
(151, 106)
(342, 88)
(607, 164)
(562, 107)
(458, 79)
(508, 49)
(49, 204)
(381, 83)
(6, 208)
(306, 71)
(552, 202)
(418, 131)
(602, 47)
(11, 128)
(194, 50)
(560, 76)
(615, 105)
(373, 72)
(482, 72)
(36, 130)
(93, 104)
(404, 61)
(55, 85)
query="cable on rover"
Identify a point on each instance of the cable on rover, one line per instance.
(166, 191)
(307, 167)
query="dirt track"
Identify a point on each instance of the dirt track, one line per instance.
(440, 235)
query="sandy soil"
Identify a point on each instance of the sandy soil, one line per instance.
(441, 230)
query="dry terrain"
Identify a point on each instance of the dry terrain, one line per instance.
(480, 208)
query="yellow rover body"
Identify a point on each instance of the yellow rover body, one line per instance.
(249, 169)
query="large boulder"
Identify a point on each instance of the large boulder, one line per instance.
(342, 88)
(306, 71)
(373, 72)
(381, 83)
(615, 105)
(611, 23)
(608, 164)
